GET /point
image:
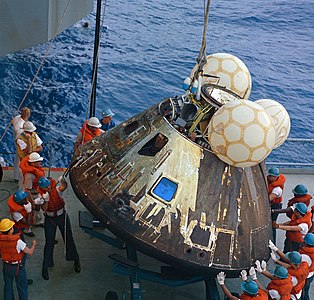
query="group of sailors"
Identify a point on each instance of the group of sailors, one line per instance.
(294, 271)
(38, 202)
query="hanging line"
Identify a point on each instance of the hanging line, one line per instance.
(201, 59)
(94, 73)
(38, 69)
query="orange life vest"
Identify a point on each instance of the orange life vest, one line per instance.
(88, 134)
(18, 208)
(279, 182)
(55, 202)
(282, 286)
(8, 248)
(297, 236)
(261, 295)
(300, 274)
(310, 252)
(27, 168)
(306, 199)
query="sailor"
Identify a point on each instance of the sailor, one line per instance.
(17, 123)
(12, 250)
(89, 130)
(27, 142)
(250, 288)
(276, 182)
(32, 171)
(297, 266)
(107, 122)
(55, 216)
(21, 211)
(296, 228)
(300, 195)
(307, 251)
(281, 284)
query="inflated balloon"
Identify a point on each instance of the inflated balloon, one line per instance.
(232, 73)
(280, 118)
(241, 133)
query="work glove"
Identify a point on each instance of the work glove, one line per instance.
(252, 273)
(263, 265)
(46, 196)
(273, 256)
(221, 278)
(39, 201)
(243, 275)
(61, 178)
(258, 266)
(272, 246)
(28, 207)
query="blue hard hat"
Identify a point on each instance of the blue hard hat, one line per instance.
(281, 272)
(19, 196)
(309, 239)
(43, 182)
(300, 190)
(250, 287)
(301, 207)
(294, 257)
(107, 113)
(273, 171)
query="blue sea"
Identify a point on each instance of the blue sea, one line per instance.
(147, 49)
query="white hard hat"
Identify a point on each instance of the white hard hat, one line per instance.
(34, 156)
(29, 126)
(94, 122)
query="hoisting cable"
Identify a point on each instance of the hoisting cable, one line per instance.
(91, 103)
(38, 69)
(201, 59)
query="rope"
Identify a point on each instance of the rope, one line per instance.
(38, 69)
(201, 59)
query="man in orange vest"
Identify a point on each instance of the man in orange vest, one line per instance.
(12, 250)
(298, 268)
(250, 288)
(276, 183)
(27, 142)
(21, 211)
(55, 216)
(296, 228)
(300, 195)
(307, 251)
(32, 170)
(89, 130)
(281, 284)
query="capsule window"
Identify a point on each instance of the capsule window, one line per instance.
(165, 189)
(131, 127)
(152, 147)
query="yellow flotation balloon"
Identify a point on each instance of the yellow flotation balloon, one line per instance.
(280, 118)
(232, 73)
(241, 133)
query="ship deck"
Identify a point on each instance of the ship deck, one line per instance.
(96, 277)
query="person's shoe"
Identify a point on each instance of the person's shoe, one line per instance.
(45, 274)
(30, 281)
(39, 225)
(77, 266)
(30, 234)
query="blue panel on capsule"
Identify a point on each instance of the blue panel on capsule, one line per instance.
(165, 189)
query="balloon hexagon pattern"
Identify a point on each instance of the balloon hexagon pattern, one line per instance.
(232, 72)
(280, 118)
(241, 133)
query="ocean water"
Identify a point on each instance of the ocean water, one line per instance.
(147, 49)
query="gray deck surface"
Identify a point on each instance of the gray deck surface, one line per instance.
(96, 278)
